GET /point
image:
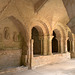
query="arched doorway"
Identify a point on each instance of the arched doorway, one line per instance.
(68, 45)
(37, 36)
(54, 44)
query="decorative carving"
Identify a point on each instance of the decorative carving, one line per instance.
(6, 33)
(15, 37)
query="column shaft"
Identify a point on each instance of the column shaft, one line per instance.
(66, 48)
(41, 46)
(45, 45)
(31, 52)
(50, 45)
(28, 55)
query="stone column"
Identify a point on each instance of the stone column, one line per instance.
(41, 39)
(41, 46)
(61, 45)
(73, 44)
(31, 52)
(50, 45)
(66, 49)
(28, 55)
(45, 45)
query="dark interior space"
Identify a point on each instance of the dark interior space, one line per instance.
(37, 42)
(54, 43)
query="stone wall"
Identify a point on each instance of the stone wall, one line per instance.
(10, 58)
(50, 59)
(11, 43)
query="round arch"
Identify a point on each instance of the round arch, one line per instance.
(15, 35)
(69, 41)
(63, 29)
(44, 22)
(39, 27)
(59, 37)
(56, 41)
(41, 32)
(20, 27)
(24, 34)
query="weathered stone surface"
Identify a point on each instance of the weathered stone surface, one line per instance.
(18, 18)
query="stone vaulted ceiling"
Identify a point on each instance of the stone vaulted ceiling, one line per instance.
(38, 4)
(3, 4)
(70, 7)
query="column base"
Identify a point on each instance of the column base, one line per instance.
(50, 53)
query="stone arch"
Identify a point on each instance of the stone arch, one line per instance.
(69, 41)
(44, 22)
(20, 27)
(39, 29)
(59, 37)
(39, 26)
(37, 36)
(41, 33)
(56, 41)
(63, 29)
(65, 35)
(70, 36)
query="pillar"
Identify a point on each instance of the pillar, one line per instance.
(45, 45)
(50, 45)
(41, 39)
(73, 44)
(66, 49)
(28, 55)
(31, 52)
(62, 47)
(41, 46)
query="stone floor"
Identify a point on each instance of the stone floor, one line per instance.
(67, 68)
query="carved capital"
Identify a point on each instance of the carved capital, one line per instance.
(67, 38)
(32, 40)
(51, 37)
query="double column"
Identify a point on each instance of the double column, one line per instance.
(62, 47)
(50, 44)
(30, 54)
(66, 49)
(59, 45)
(45, 45)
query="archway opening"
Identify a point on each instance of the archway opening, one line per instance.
(68, 45)
(37, 35)
(54, 44)
(69, 42)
